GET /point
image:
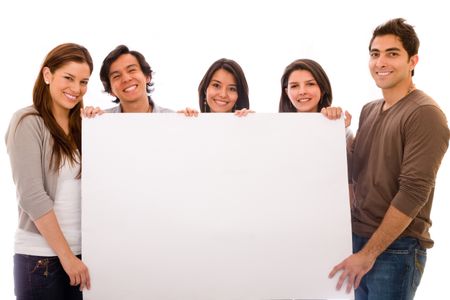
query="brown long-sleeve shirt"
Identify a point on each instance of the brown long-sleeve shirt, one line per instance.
(394, 160)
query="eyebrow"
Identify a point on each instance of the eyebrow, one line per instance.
(131, 65)
(218, 81)
(393, 49)
(127, 67)
(309, 80)
(113, 73)
(73, 76)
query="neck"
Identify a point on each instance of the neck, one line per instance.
(393, 95)
(137, 107)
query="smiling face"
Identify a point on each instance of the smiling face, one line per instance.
(128, 82)
(222, 94)
(389, 63)
(303, 91)
(67, 85)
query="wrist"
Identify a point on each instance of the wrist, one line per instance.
(369, 254)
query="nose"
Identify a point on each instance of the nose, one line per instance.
(301, 89)
(126, 77)
(380, 61)
(76, 87)
(223, 92)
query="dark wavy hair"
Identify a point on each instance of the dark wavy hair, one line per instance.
(326, 95)
(242, 88)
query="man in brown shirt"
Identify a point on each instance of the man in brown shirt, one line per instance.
(393, 162)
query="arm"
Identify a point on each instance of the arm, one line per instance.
(26, 144)
(77, 271)
(357, 265)
(426, 140)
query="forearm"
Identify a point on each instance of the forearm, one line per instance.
(49, 228)
(76, 270)
(392, 226)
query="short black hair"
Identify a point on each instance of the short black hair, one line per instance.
(113, 56)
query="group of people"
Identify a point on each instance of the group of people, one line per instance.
(392, 160)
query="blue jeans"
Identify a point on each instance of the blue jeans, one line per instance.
(42, 277)
(396, 273)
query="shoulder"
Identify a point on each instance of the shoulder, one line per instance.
(26, 117)
(420, 98)
(423, 106)
(26, 127)
(373, 105)
(371, 109)
(425, 117)
(417, 100)
(30, 110)
(115, 109)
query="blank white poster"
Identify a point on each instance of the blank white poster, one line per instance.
(216, 207)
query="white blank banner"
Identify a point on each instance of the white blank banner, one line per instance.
(214, 208)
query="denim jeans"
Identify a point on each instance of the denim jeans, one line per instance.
(42, 277)
(396, 273)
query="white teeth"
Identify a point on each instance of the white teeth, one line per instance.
(70, 96)
(220, 102)
(131, 88)
(303, 100)
(383, 73)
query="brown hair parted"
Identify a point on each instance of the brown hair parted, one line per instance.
(405, 32)
(113, 56)
(64, 145)
(233, 68)
(326, 95)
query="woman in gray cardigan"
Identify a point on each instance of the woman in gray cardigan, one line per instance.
(44, 146)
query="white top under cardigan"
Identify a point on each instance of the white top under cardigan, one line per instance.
(67, 208)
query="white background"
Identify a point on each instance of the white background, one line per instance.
(181, 39)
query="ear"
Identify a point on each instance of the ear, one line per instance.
(47, 74)
(149, 78)
(413, 61)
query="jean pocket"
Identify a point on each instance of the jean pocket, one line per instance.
(420, 260)
(396, 251)
(45, 266)
(40, 267)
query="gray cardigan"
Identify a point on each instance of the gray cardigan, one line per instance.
(29, 145)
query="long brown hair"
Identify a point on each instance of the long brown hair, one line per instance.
(63, 145)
